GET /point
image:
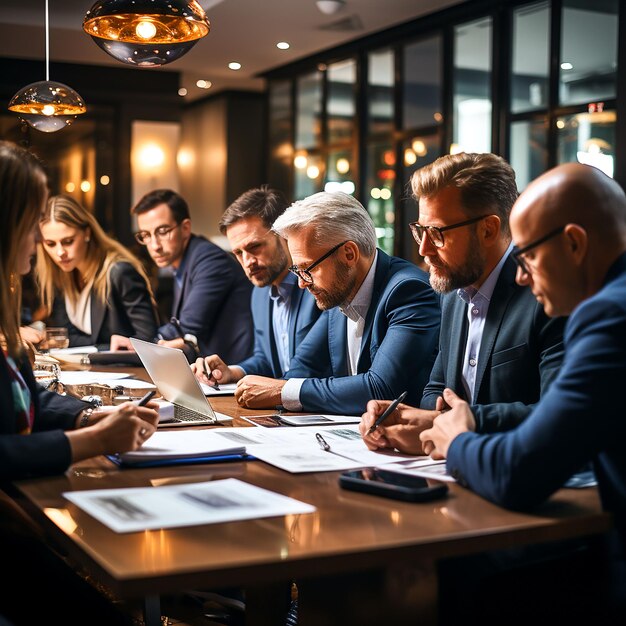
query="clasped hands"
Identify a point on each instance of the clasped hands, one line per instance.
(418, 431)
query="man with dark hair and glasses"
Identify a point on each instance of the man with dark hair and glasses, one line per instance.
(377, 335)
(211, 308)
(498, 349)
(570, 226)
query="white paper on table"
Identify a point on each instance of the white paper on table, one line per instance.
(224, 390)
(296, 450)
(72, 355)
(85, 378)
(426, 468)
(146, 508)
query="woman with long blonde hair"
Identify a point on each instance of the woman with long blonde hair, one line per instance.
(41, 432)
(89, 282)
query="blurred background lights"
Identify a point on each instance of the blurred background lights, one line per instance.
(104, 180)
(300, 162)
(234, 65)
(343, 166)
(85, 186)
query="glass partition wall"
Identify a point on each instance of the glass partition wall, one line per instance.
(534, 81)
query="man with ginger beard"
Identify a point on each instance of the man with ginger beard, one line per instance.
(498, 349)
(282, 313)
(377, 336)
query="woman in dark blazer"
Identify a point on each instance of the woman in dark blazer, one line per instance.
(40, 432)
(89, 282)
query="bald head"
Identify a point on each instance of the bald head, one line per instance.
(570, 225)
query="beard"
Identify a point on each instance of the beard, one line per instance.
(343, 287)
(443, 278)
(271, 272)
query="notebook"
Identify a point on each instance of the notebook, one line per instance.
(170, 372)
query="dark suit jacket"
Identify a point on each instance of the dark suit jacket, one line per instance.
(128, 312)
(520, 354)
(46, 450)
(214, 302)
(397, 349)
(303, 314)
(579, 419)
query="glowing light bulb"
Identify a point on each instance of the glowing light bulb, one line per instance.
(300, 162)
(343, 166)
(145, 30)
(48, 109)
(312, 171)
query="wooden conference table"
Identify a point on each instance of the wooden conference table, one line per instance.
(359, 559)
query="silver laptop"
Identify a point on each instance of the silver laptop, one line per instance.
(170, 372)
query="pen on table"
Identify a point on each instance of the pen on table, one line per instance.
(146, 398)
(326, 447)
(390, 409)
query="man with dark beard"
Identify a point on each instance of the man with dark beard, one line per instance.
(378, 334)
(498, 349)
(282, 313)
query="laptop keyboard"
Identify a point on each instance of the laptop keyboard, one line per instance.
(183, 414)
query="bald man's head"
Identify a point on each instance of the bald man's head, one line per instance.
(570, 225)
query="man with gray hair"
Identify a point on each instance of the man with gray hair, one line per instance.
(378, 334)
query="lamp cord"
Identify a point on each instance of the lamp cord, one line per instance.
(47, 45)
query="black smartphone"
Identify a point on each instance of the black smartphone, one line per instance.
(394, 485)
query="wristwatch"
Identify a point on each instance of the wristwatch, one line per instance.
(192, 342)
(84, 419)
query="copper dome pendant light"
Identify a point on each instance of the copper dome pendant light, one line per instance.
(146, 33)
(46, 105)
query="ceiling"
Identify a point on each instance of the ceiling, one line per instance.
(241, 30)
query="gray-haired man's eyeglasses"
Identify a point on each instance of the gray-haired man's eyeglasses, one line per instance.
(305, 274)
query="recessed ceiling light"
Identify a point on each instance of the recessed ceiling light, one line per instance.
(282, 45)
(234, 65)
(204, 84)
(567, 66)
(182, 91)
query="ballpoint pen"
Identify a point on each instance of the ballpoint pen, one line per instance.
(216, 386)
(326, 447)
(146, 398)
(390, 409)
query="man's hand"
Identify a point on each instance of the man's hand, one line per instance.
(448, 425)
(119, 342)
(259, 392)
(218, 371)
(400, 430)
(32, 335)
(179, 343)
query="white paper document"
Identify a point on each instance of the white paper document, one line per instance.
(297, 450)
(224, 390)
(146, 508)
(182, 444)
(86, 378)
(426, 468)
(72, 355)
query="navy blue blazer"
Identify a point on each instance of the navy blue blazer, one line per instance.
(303, 314)
(46, 450)
(579, 419)
(128, 311)
(397, 350)
(213, 302)
(520, 354)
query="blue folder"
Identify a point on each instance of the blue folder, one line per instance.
(222, 458)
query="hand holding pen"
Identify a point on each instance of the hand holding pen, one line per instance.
(388, 411)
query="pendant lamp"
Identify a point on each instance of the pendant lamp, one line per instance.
(146, 33)
(46, 105)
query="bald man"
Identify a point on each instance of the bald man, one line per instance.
(570, 230)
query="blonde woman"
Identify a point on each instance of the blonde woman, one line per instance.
(90, 283)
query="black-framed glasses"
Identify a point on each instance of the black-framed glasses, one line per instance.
(305, 274)
(162, 232)
(518, 253)
(435, 233)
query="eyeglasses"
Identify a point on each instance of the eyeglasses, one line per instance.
(435, 233)
(144, 237)
(518, 253)
(305, 274)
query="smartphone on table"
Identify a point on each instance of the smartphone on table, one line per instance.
(389, 484)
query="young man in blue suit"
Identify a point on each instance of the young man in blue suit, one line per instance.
(211, 293)
(498, 349)
(378, 334)
(570, 230)
(282, 313)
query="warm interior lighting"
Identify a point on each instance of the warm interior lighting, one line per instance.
(282, 45)
(409, 157)
(234, 65)
(312, 171)
(144, 32)
(300, 162)
(70, 187)
(204, 84)
(104, 180)
(151, 156)
(419, 147)
(343, 166)
(85, 186)
(46, 105)
(182, 92)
